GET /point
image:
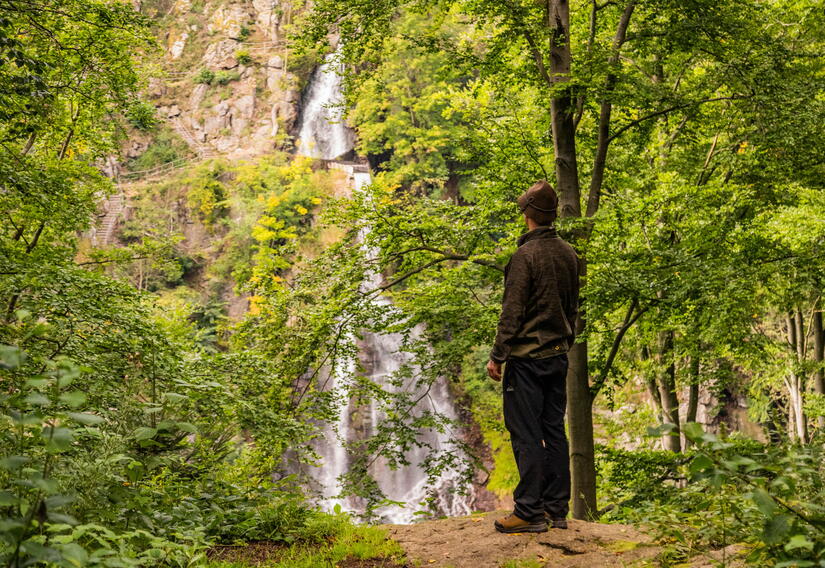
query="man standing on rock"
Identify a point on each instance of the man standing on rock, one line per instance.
(535, 331)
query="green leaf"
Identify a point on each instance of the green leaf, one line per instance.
(74, 554)
(85, 418)
(58, 439)
(61, 518)
(47, 485)
(12, 462)
(37, 399)
(11, 357)
(693, 432)
(73, 398)
(145, 433)
(777, 528)
(764, 502)
(798, 541)
(700, 464)
(187, 427)
(175, 397)
(66, 379)
(36, 382)
(661, 430)
(7, 499)
(39, 553)
(28, 419)
(58, 501)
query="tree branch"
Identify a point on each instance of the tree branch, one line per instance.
(629, 319)
(662, 112)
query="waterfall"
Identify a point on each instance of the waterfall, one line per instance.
(323, 133)
(381, 356)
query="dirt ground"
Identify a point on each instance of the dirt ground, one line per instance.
(472, 542)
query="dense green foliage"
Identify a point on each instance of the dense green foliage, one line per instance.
(156, 395)
(123, 414)
(763, 502)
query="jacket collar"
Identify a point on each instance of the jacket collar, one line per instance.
(548, 232)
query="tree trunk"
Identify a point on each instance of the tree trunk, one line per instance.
(802, 356)
(579, 398)
(819, 357)
(562, 108)
(797, 427)
(605, 111)
(667, 389)
(580, 428)
(693, 394)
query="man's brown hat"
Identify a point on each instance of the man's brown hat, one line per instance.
(542, 197)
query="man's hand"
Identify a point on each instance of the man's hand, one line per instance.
(494, 370)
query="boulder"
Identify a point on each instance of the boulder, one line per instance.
(219, 119)
(275, 62)
(268, 17)
(226, 144)
(228, 20)
(156, 88)
(244, 107)
(178, 45)
(221, 55)
(136, 148)
(197, 96)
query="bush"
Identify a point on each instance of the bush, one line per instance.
(769, 499)
(224, 77)
(205, 77)
(142, 115)
(243, 57)
(628, 478)
(244, 33)
(166, 147)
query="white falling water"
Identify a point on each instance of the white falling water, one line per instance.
(324, 133)
(381, 354)
(383, 357)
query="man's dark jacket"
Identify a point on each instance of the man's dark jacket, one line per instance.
(541, 298)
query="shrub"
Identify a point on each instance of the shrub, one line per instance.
(243, 57)
(739, 491)
(142, 115)
(165, 148)
(205, 77)
(630, 478)
(224, 77)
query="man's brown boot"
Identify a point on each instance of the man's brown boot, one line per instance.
(515, 524)
(556, 523)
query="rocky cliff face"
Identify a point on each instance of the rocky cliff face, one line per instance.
(223, 83)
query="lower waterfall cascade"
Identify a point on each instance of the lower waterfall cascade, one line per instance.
(381, 355)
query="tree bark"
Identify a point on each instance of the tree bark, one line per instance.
(819, 357)
(562, 108)
(802, 356)
(579, 398)
(796, 417)
(667, 389)
(693, 394)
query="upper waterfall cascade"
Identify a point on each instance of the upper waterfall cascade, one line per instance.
(324, 133)
(381, 356)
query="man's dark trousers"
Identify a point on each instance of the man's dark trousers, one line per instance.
(535, 398)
